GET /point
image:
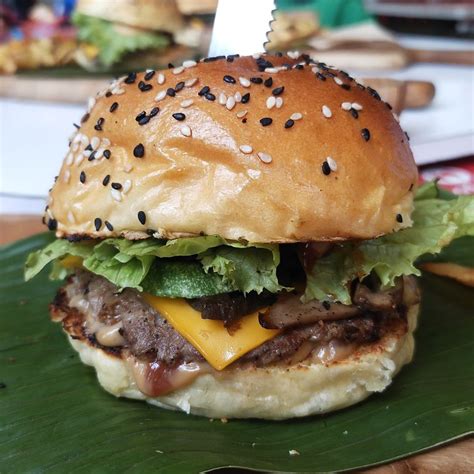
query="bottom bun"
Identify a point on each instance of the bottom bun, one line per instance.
(274, 392)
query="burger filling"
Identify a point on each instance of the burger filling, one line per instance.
(174, 309)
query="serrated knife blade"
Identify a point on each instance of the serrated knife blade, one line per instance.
(241, 26)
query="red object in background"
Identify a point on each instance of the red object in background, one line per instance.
(456, 176)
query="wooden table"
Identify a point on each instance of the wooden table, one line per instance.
(456, 458)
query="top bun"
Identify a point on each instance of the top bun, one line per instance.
(207, 148)
(160, 15)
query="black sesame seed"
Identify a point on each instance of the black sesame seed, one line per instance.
(170, 66)
(108, 94)
(204, 90)
(408, 137)
(279, 54)
(171, 92)
(144, 87)
(97, 223)
(154, 111)
(388, 106)
(256, 80)
(98, 125)
(245, 98)
(329, 74)
(116, 186)
(130, 79)
(149, 75)
(52, 224)
(360, 86)
(268, 82)
(150, 232)
(179, 86)
(85, 118)
(373, 93)
(213, 58)
(109, 226)
(365, 134)
(140, 116)
(113, 107)
(92, 156)
(77, 126)
(88, 147)
(399, 218)
(141, 217)
(106, 180)
(326, 168)
(144, 120)
(354, 113)
(179, 116)
(320, 76)
(82, 177)
(107, 154)
(346, 87)
(326, 305)
(231, 57)
(278, 90)
(139, 151)
(229, 79)
(244, 120)
(300, 67)
(289, 123)
(265, 121)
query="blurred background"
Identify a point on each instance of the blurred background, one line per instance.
(54, 54)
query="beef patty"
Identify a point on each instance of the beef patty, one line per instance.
(146, 334)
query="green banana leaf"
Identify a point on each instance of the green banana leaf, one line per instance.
(54, 417)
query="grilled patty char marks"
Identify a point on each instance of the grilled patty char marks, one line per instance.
(147, 333)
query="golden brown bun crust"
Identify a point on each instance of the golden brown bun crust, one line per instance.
(205, 184)
(144, 14)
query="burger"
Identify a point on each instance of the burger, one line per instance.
(238, 237)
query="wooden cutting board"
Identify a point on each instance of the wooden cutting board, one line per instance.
(457, 457)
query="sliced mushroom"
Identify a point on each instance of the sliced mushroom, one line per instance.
(290, 311)
(379, 300)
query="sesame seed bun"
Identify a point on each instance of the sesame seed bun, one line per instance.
(160, 15)
(273, 392)
(214, 148)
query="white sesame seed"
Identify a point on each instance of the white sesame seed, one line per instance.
(186, 103)
(77, 138)
(87, 153)
(244, 82)
(189, 63)
(185, 130)
(326, 111)
(127, 168)
(245, 149)
(315, 69)
(241, 114)
(95, 142)
(293, 54)
(256, 55)
(99, 153)
(126, 186)
(270, 103)
(296, 116)
(160, 78)
(293, 452)
(67, 176)
(69, 159)
(75, 146)
(279, 102)
(84, 140)
(190, 82)
(230, 103)
(338, 81)
(105, 142)
(70, 217)
(50, 200)
(160, 96)
(90, 104)
(178, 70)
(50, 214)
(118, 91)
(332, 164)
(265, 157)
(116, 194)
(356, 106)
(222, 98)
(79, 158)
(346, 106)
(238, 96)
(272, 70)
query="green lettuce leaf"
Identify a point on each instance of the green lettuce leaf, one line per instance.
(111, 43)
(436, 222)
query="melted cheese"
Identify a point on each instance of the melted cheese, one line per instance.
(209, 337)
